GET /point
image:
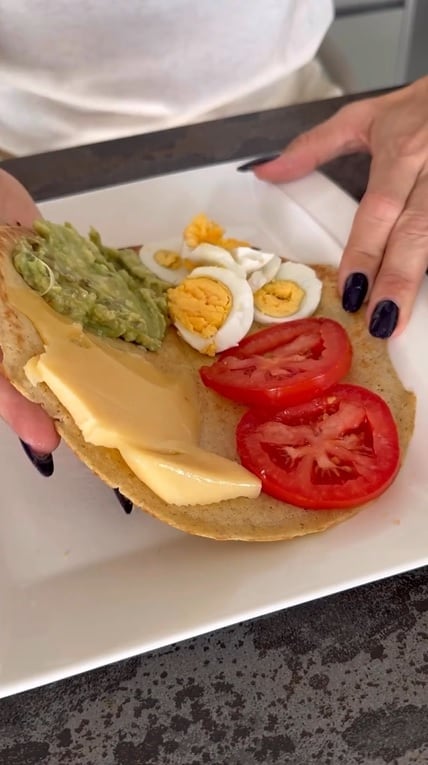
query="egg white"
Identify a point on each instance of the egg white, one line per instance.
(206, 254)
(240, 317)
(147, 256)
(251, 259)
(265, 274)
(307, 279)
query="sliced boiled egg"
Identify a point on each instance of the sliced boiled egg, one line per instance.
(164, 258)
(212, 309)
(252, 259)
(212, 255)
(265, 274)
(294, 293)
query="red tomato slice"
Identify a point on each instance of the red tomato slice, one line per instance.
(336, 451)
(285, 364)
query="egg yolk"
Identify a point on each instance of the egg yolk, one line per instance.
(202, 230)
(279, 298)
(168, 259)
(231, 244)
(201, 305)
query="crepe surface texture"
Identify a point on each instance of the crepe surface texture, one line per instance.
(261, 519)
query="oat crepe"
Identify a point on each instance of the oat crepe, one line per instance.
(261, 519)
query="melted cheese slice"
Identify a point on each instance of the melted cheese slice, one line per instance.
(188, 477)
(111, 402)
(120, 401)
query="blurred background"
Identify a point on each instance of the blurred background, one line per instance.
(376, 43)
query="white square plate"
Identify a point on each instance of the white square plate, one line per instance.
(81, 583)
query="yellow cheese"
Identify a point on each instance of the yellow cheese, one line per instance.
(108, 400)
(119, 400)
(190, 478)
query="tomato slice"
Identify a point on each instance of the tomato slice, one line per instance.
(336, 451)
(281, 365)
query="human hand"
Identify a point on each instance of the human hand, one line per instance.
(29, 421)
(386, 255)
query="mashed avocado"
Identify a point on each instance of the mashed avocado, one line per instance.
(109, 292)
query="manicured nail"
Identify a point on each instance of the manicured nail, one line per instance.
(124, 501)
(42, 462)
(354, 292)
(384, 319)
(258, 161)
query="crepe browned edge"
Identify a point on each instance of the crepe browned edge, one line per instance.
(261, 519)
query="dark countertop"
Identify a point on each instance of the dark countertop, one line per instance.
(339, 680)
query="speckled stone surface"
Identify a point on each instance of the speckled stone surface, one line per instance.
(339, 680)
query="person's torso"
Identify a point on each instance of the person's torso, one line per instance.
(75, 72)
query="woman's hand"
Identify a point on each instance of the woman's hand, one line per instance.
(387, 251)
(28, 420)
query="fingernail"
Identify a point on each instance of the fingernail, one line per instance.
(355, 290)
(258, 161)
(124, 501)
(42, 462)
(384, 319)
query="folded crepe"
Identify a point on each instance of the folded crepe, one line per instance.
(261, 519)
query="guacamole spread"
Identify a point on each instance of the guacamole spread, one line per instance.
(109, 292)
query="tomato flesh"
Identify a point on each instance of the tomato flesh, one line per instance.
(337, 451)
(282, 365)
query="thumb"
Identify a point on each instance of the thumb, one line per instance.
(343, 133)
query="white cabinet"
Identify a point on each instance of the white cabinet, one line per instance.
(376, 43)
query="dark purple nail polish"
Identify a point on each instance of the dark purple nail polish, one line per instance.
(257, 161)
(384, 319)
(124, 502)
(42, 462)
(354, 292)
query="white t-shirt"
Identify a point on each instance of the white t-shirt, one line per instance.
(75, 71)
